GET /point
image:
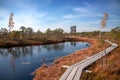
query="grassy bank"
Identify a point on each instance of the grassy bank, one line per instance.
(26, 36)
(12, 43)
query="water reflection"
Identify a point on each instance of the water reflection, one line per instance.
(28, 50)
(3, 52)
(55, 47)
(39, 48)
(12, 62)
(73, 43)
(17, 51)
(21, 61)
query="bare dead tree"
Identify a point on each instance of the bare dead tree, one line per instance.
(11, 23)
(103, 22)
(103, 25)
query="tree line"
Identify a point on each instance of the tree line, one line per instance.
(113, 35)
(27, 33)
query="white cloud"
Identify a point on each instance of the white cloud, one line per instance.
(82, 10)
(4, 18)
(3, 13)
(25, 4)
(28, 16)
(86, 12)
(68, 16)
(29, 20)
(68, 21)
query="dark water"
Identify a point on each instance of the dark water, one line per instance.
(18, 63)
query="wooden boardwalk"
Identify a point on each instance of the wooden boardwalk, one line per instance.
(75, 70)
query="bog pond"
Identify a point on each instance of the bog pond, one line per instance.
(18, 63)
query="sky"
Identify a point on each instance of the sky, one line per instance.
(44, 14)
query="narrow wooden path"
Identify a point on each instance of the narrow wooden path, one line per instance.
(75, 70)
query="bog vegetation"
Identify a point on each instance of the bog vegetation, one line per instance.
(110, 71)
(27, 35)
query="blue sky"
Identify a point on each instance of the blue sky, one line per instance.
(44, 14)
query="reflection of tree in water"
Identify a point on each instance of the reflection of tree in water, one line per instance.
(3, 52)
(73, 43)
(23, 51)
(12, 62)
(17, 51)
(38, 48)
(48, 47)
(26, 50)
(55, 47)
(58, 46)
(13, 52)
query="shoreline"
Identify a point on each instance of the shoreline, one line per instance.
(54, 71)
(11, 44)
(21, 43)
